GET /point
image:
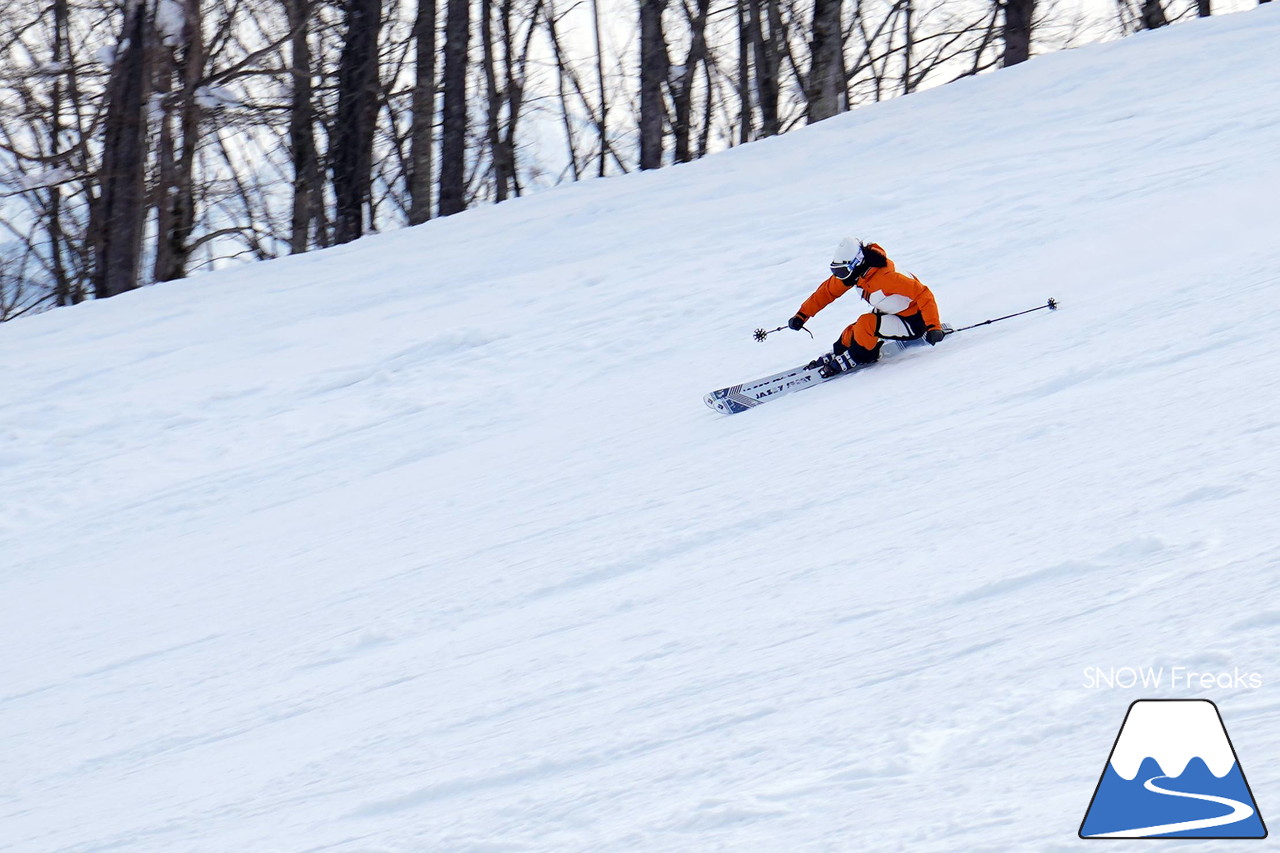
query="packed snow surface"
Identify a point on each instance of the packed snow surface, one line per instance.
(428, 542)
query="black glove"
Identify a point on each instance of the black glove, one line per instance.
(934, 336)
(796, 323)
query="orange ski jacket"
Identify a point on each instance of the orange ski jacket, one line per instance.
(885, 289)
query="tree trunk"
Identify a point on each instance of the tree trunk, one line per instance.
(65, 292)
(709, 112)
(515, 75)
(422, 127)
(682, 94)
(1153, 16)
(744, 75)
(453, 138)
(119, 212)
(1018, 16)
(908, 43)
(825, 86)
(166, 156)
(1204, 8)
(175, 199)
(654, 67)
(604, 100)
(302, 120)
(493, 102)
(351, 140)
(767, 62)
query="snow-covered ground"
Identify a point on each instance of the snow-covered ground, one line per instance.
(428, 542)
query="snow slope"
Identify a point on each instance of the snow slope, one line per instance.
(428, 542)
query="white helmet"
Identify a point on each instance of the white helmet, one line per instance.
(849, 260)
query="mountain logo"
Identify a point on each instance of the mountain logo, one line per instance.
(1173, 773)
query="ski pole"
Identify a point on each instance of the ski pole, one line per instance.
(761, 334)
(1052, 305)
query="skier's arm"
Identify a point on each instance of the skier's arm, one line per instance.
(827, 292)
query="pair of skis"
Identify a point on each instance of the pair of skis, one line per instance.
(748, 395)
(739, 398)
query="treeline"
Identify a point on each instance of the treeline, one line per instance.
(145, 140)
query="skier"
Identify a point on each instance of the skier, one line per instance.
(902, 308)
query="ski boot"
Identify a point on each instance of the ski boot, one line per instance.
(829, 365)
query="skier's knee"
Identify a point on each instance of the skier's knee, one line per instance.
(860, 341)
(860, 354)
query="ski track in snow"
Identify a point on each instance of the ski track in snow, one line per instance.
(406, 546)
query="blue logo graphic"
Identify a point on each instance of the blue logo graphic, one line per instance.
(1173, 773)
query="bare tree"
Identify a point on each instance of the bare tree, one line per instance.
(574, 101)
(654, 67)
(909, 35)
(307, 179)
(1141, 15)
(1153, 15)
(824, 87)
(504, 65)
(1018, 16)
(120, 208)
(744, 74)
(682, 79)
(767, 47)
(68, 289)
(567, 84)
(181, 64)
(453, 137)
(422, 130)
(351, 137)
(602, 124)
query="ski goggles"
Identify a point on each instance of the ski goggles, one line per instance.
(846, 271)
